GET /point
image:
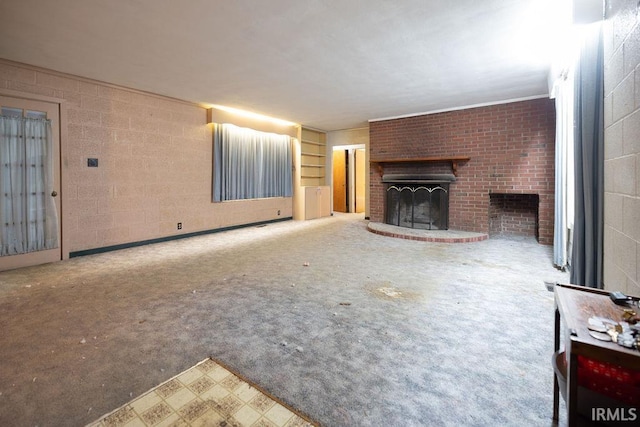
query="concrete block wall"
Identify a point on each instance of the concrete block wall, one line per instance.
(512, 151)
(622, 146)
(155, 162)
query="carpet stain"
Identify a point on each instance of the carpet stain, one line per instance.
(389, 292)
(488, 264)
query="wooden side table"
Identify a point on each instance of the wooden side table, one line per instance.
(574, 305)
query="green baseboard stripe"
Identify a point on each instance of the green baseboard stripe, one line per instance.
(169, 238)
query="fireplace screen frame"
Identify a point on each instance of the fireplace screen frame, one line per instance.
(394, 214)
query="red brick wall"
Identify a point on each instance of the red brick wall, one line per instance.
(512, 150)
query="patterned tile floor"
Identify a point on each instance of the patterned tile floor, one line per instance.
(204, 395)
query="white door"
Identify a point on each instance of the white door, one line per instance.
(29, 198)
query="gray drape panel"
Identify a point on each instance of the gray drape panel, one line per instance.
(586, 259)
(249, 164)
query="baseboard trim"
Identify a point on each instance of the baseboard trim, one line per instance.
(169, 238)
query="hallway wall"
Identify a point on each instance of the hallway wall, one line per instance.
(350, 138)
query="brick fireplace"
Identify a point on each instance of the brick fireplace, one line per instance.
(417, 201)
(502, 157)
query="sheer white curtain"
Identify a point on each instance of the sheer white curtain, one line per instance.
(563, 92)
(250, 164)
(28, 217)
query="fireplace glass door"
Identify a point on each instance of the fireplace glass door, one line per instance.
(422, 206)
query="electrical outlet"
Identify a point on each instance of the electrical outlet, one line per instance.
(179, 226)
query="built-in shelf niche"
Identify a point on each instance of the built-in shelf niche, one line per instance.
(313, 157)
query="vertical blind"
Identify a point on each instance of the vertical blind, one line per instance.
(250, 164)
(28, 218)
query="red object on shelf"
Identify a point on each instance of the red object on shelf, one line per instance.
(614, 381)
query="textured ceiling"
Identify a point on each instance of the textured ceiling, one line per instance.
(329, 65)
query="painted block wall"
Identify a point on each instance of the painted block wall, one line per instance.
(512, 150)
(155, 163)
(622, 146)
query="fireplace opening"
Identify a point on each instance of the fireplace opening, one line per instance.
(420, 202)
(514, 215)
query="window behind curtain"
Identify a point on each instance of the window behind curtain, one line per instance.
(28, 216)
(249, 164)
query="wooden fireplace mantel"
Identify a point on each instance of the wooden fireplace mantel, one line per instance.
(453, 159)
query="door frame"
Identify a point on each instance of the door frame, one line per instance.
(359, 180)
(351, 178)
(340, 178)
(63, 238)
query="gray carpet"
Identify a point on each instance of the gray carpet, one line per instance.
(374, 331)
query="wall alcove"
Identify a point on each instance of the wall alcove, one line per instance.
(514, 215)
